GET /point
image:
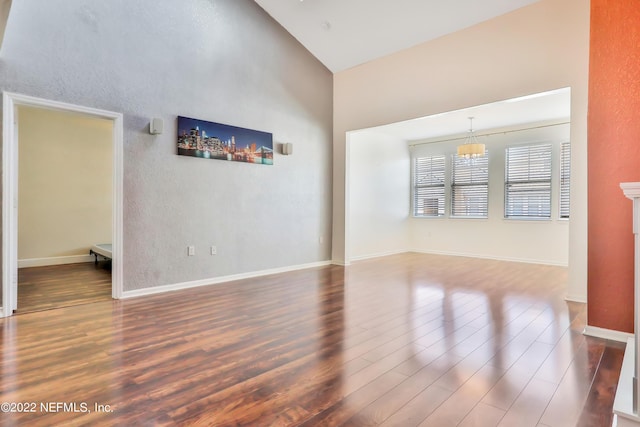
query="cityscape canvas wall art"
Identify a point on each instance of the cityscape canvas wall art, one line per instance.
(209, 140)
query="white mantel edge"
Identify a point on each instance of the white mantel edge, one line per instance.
(624, 399)
(623, 402)
(631, 189)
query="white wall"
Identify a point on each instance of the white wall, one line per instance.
(538, 241)
(219, 60)
(65, 184)
(379, 194)
(540, 47)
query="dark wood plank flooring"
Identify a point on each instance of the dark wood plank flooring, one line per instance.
(405, 340)
(56, 286)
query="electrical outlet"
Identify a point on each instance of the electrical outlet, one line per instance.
(191, 250)
(214, 250)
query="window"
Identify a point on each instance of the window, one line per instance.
(565, 178)
(528, 182)
(470, 186)
(428, 186)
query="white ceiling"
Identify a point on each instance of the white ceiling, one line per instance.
(345, 33)
(543, 107)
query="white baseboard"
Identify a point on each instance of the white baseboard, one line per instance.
(607, 334)
(218, 280)
(58, 260)
(497, 258)
(377, 255)
(464, 254)
(341, 263)
(576, 298)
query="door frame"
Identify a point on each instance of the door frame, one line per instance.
(10, 191)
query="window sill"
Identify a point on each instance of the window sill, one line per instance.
(468, 217)
(529, 219)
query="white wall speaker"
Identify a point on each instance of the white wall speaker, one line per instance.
(156, 126)
(287, 148)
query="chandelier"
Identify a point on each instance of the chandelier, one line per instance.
(471, 147)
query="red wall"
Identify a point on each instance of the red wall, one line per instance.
(613, 157)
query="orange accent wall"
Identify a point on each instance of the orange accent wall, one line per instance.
(613, 157)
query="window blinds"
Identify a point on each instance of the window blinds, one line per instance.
(470, 186)
(528, 181)
(565, 178)
(428, 186)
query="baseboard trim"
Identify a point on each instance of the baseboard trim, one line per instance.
(341, 263)
(218, 280)
(576, 298)
(607, 334)
(496, 258)
(58, 260)
(378, 255)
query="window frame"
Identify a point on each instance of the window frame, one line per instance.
(510, 183)
(564, 181)
(442, 187)
(472, 174)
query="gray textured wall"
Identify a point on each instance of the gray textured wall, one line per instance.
(218, 60)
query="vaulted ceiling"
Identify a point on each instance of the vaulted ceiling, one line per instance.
(345, 33)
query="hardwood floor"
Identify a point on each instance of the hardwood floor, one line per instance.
(405, 340)
(56, 286)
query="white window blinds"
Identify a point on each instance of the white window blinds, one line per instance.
(565, 178)
(428, 186)
(528, 181)
(470, 186)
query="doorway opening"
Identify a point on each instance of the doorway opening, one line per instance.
(385, 211)
(51, 214)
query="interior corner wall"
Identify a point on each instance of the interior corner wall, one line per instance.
(225, 61)
(537, 48)
(614, 157)
(5, 7)
(65, 184)
(379, 190)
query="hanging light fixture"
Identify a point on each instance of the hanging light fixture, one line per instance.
(471, 147)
